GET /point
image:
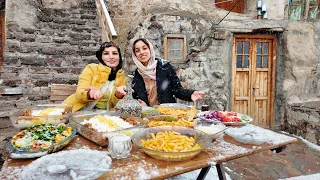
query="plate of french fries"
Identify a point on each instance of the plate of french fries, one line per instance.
(171, 143)
(167, 120)
(178, 110)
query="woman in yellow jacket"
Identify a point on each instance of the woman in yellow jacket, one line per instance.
(100, 86)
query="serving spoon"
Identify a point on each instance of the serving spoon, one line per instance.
(58, 169)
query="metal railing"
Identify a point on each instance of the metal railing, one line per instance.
(108, 31)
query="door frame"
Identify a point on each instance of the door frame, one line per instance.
(271, 89)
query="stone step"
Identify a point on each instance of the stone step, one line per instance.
(18, 86)
(88, 4)
(40, 69)
(63, 46)
(5, 90)
(45, 30)
(73, 12)
(65, 36)
(88, 26)
(19, 59)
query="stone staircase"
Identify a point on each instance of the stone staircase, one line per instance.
(54, 51)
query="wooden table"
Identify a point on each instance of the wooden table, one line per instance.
(140, 165)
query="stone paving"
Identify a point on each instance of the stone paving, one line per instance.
(295, 160)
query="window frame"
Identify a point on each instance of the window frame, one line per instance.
(183, 47)
(306, 9)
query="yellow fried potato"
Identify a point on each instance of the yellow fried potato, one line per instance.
(170, 142)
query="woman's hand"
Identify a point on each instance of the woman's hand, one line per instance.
(120, 92)
(142, 103)
(94, 93)
(197, 96)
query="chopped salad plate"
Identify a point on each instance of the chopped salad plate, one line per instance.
(226, 117)
(39, 140)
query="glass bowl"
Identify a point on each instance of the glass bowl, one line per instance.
(19, 153)
(149, 111)
(167, 120)
(39, 114)
(203, 139)
(177, 110)
(213, 128)
(101, 138)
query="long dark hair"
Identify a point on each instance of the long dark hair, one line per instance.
(104, 45)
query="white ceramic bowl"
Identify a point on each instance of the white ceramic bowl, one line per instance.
(213, 128)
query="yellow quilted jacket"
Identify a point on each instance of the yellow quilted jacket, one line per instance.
(94, 75)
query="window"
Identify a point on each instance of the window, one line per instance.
(175, 47)
(304, 9)
(228, 4)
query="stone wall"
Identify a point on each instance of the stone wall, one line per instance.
(207, 66)
(46, 44)
(303, 119)
(297, 64)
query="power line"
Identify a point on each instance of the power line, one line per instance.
(228, 13)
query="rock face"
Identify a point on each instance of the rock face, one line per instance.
(52, 47)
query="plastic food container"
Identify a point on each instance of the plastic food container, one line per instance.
(18, 153)
(247, 135)
(39, 114)
(203, 139)
(213, 128)
(102, 138)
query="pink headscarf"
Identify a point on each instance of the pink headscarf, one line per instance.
(147, 72)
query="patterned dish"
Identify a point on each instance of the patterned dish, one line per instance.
(39, 114)
(226, 117)
(40, 140)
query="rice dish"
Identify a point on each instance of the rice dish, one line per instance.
(106, 123)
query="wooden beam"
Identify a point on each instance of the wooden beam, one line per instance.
(108, 20)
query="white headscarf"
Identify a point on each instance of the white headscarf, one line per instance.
(147, 72)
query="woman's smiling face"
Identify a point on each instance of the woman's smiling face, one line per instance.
(111, 57)
(142, 52)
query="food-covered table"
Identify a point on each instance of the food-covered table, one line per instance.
(141, 166)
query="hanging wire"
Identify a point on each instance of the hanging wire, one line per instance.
(169, 12)
(228, 13)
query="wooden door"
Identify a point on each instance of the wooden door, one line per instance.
(304, 9)
(254, 77)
